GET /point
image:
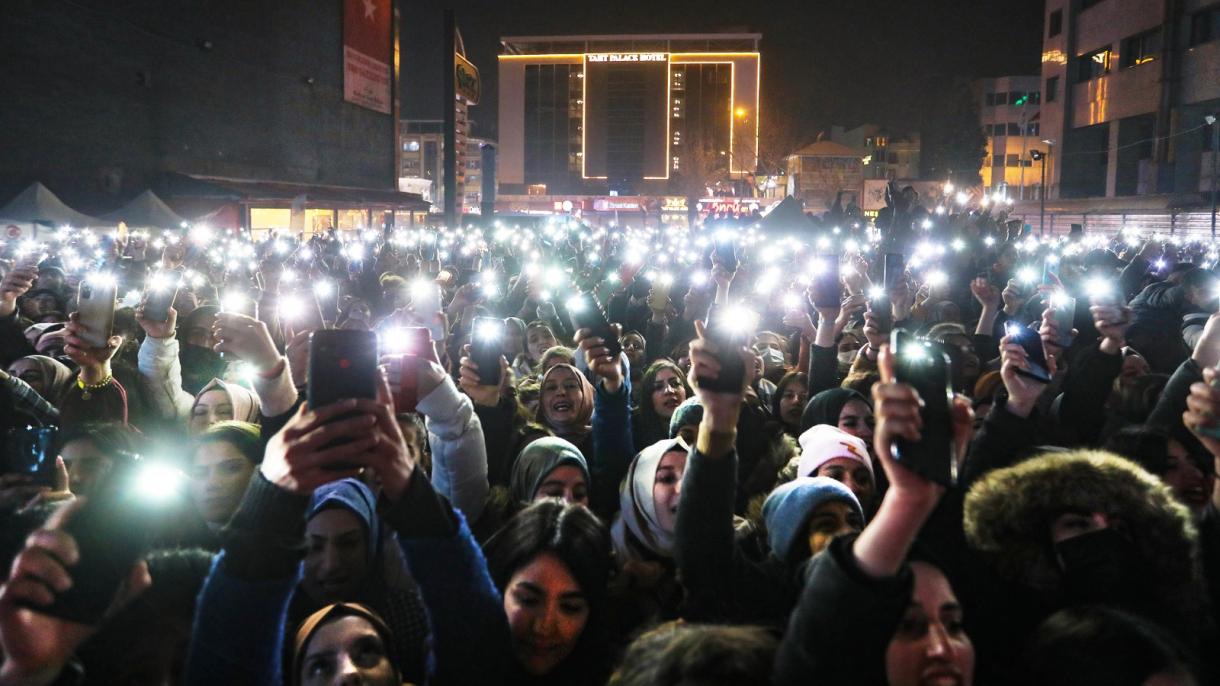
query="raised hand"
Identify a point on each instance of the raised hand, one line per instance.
(163, 329)
(303, 455)
(469, 381)
(1023, 391)
(93, 361)
(16, 283)
(987, 294)
(598, 357)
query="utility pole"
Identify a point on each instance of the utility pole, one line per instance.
(1211, 120)
(1040, 156)
(448, 98)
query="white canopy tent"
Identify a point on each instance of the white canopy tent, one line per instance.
(146, 211)
(37, 207)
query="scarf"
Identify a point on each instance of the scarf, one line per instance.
(637, 525)
(55, 376)
(245, 403)
(539, 459)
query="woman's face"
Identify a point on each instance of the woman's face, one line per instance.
(856, 418)
(633, 345)
(1133, 366)
(336, 555)
(930, 645)
(514, 342)
(667, 393)
(792, 403)
(211, 407)
(1186, 479)
(86, 465)
(667, 488)
(347, 650)
(28, 371)
(830, 519)
(547, 612)
(561, 397)
(219, 476)
(853, 474)
(567, 482)
(539, 340)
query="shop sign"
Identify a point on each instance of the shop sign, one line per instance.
(616, 205)
(628, 57)
(466, 78)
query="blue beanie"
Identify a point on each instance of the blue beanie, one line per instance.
(788, 508)
(689, 412)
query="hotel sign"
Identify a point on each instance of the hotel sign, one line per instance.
(628, 57)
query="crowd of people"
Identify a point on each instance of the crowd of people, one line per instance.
(731, 499)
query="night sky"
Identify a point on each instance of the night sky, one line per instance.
(842, 62)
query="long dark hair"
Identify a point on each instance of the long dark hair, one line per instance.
(651, 427)
(578, 539)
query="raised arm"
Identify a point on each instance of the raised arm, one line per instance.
(613, 446)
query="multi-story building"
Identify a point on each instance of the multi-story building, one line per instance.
(1127, 85)
(818, 173)
(1010, 116)
(627, 115)
(888, 154)
(472, 168)
(422, 162)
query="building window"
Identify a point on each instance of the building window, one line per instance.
(1094, 64)
(1086, 4)
(1205, 25)
(989, 99)
(1054, 24)
(997, 161)
(1033, 129)
(1140, 49)
(1014, 129)
(1052, 88)
(1014, 160)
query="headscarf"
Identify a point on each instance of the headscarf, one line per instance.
(355, 497)
(824, 408)
(245, 403)
(788, 508)
(538, 460)
(55, 374)
(580, 425)
(314, 621)
(637, 524)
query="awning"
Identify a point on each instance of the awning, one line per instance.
(276, 193)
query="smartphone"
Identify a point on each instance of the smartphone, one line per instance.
(893, 269)
(342, 365)
(158, 298)
(239, 302)
(1050, 272)
(827, 287)
(659, 298)
(486, 344)
(1064, 307)
(728, 335)
(1031, 343)
(30, 451)
(882, 313)
(586, 313)
(114, 528)
(426, 302)
(95, 302)
(926, 367)
(726, 253)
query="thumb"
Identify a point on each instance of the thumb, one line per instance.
(62, 480)
(885, 363)
(963, 425)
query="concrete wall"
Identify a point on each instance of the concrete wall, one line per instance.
(101, 96)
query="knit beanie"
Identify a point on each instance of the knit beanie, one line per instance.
(788, 508)
(824, 443)
(689, 412)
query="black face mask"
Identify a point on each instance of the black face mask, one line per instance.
(1102, 567)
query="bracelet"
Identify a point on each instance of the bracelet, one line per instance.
(274, 371)
(86, 388)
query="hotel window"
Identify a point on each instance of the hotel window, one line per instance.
(1052, 88)
(1054, 24)
(1140, 49)
(989, 100)
(1092, 65)
(1014, 160)
(1086, 4)
(1014, 129)
(1205, 25)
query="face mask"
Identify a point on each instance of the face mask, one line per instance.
(1101, 567)
(846, 359)
(772, 358)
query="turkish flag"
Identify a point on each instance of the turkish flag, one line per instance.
(366, 27)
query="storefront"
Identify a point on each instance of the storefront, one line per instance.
(263, 206)
(598, 210)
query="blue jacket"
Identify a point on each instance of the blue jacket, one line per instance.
(240, 627)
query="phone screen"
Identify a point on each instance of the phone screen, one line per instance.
(586, 313)
(728, 337)
(827, 288)
(487, 340)
(894, 268)
(1031, 343)
(926, 367)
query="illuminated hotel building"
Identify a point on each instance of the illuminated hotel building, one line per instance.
(1126, 86)
(625, 115)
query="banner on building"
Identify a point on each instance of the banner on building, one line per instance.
(366, 54)
(466, 79)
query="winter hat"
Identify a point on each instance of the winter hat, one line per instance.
(824, 408)
(788, 508)
(539, 459)
(824, 443)
(689, 412)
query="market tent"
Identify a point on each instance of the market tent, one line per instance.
(146, 211)
(787, 215)
(38, 205)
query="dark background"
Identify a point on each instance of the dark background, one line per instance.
(840, 62)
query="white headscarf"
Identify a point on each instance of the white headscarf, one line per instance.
(637, 525)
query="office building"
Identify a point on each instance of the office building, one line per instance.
(1010, 116)
(889, 154)
(1126, 87)
(626, 115)
(818, 173)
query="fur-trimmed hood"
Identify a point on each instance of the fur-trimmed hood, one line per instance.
(1009, 512)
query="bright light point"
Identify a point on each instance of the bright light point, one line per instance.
(738, 319)
(823, 243)
(306, 254)
(575, 304)
(940, 209)
(1059, 299)
(291, 307)
(698, 278)
(157, 482)
(876, 292)
(1052, 259)
(1098, 287)
(937, 278)
(817, 267)
(613, 277)
(948, 188)
(851, 245)
(160, 281)
(927, 223)
(1160, 264)
(666, 279)
(1027, 275)
(962, 197)
(288, 276)
(958, 245)
(488, 331)
(323, 289)
(102, 280)
(989, 241)
(792, 301)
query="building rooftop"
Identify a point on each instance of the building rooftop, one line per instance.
(648, 42)
(829, 149)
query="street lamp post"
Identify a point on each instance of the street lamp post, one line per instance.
(1211, 121)
(1040, 157)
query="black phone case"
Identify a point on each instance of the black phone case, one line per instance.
(732, 370)
(591, 317)
(30, 451)
(929, 373)
(827, 289)
(486, 352)
(342, 365)
(892, 270)
(156, 307)
(1031, 343)
(883, 314)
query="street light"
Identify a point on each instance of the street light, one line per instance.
(1040, 157)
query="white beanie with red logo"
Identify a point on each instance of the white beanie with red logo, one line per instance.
(823, 443)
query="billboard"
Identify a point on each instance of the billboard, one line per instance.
(366, 54)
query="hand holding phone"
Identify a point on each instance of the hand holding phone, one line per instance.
(727, 330)
(486, 346)
(586, 313)
(1035, 366)
(95, 305)
(926, 368)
